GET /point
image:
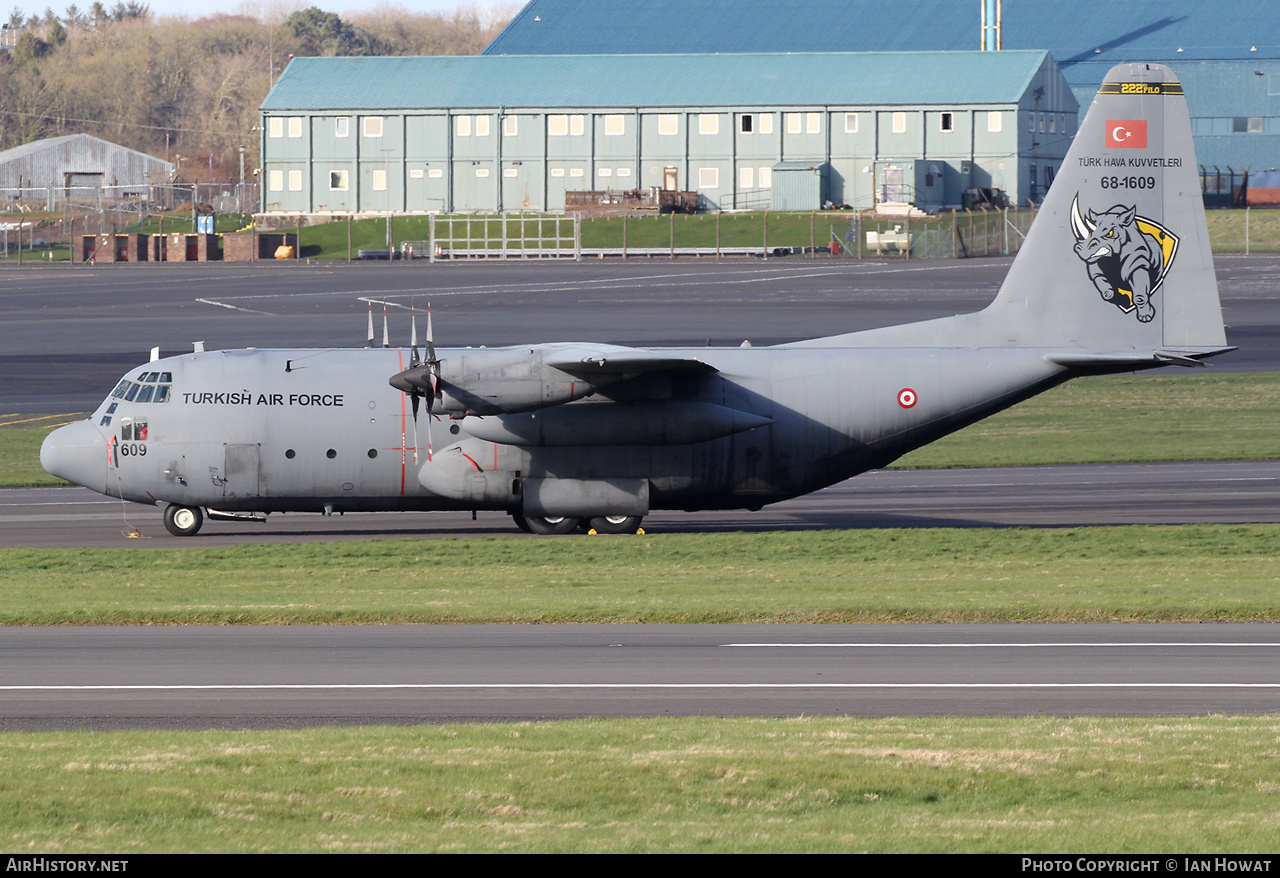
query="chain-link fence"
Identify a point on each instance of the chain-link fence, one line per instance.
(137, 199)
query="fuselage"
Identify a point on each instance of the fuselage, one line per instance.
(321, 429)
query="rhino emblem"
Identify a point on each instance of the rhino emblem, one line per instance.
(1127, 255)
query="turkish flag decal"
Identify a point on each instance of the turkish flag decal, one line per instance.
(1126, 134)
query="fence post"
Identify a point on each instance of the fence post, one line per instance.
(577, 237)
(431, 238)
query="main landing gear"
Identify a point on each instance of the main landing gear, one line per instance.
(183, 521)
(563, 524)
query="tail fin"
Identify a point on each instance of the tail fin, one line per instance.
(1118, 257)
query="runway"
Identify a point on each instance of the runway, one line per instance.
(254, 677)
(1051, 496)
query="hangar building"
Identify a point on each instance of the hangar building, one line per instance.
(76, 167)
(1226, 52)
(793, 131)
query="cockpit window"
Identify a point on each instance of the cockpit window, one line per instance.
(147, 387)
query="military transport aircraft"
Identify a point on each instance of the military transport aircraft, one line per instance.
(1115, 276)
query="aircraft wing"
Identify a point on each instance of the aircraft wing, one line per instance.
(586, 361)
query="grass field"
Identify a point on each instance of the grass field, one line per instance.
(1193, 572)
(1045, 785)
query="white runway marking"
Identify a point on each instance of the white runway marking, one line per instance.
(255, 687)
(1109, 645)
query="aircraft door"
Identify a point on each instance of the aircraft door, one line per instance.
(241, 471)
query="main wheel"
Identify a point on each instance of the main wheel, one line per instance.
(615, 524)
(558, 524)
(521, 522)
(183, 521)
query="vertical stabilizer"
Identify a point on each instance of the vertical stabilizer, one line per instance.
(1118, 257)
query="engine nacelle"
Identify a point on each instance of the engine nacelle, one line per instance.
(484, 381)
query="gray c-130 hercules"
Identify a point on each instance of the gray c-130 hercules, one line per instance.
(1115, 276)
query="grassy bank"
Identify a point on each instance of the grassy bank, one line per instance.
(1194, 572)
(1192, 785)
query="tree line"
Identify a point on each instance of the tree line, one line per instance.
(175, 86)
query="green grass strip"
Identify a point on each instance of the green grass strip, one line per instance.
(1203, 415)
(1192, 572)
(1050, 785)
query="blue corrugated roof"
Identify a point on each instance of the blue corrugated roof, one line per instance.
(808, 79)
(1073, 30)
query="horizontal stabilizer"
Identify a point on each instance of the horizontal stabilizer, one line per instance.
(1124, 360)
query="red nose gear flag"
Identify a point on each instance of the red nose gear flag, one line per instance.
(1126, 134)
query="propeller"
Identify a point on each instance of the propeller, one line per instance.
(422, 378)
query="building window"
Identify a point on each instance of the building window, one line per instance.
(577, 125)
(342, 126)
(379, 181)
(295, 181)
(275, 127)
(510, 172)
(464, 126)
(995, 121)
(1042, 123)
(708, 178)
(295, 126)
(746, 123)
(668, 123)
(624, 172)
(1053, 124)
(372, 126)
(557, 126)
(899, 123)
(509, 126)
(435, 173)
(766, 178)
(415, 173)
(793, 123)
(947, 122)
(746, 179)
(766, 123)
(813, 123)
(557, 172)
(337, 181)
(708, 123)
(1247, 125)
(482, 172)
(604, 172)
(276, 179)
(850, 123)
(614, 125)
(482, 126)
(575, 172)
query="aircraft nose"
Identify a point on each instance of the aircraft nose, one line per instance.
(77, 453)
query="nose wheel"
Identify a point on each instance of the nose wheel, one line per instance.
(183, 521)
